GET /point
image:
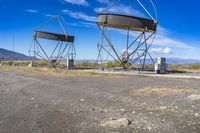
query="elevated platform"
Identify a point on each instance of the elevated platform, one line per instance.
(125, 22)
(54, 36)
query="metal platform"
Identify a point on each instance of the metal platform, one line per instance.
(126, 22)
(54, 36)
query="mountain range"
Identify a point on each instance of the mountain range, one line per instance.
(7, 55)
(172, 61)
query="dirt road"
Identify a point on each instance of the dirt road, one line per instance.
(42, 103)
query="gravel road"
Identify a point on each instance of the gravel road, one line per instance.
(46, 103)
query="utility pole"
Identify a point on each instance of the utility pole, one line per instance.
(13, 41)
(13, 47)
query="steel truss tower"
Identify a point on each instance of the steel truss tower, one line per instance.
(64, 50)
(140, 34)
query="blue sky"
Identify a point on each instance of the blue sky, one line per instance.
(178, 34)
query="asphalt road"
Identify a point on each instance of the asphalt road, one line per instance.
(42, 103)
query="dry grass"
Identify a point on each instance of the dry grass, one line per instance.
(185, 67)
(161, 91)
(46, 70)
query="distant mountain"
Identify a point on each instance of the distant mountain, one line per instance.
(7, 55)
(173, 61)
(179, 61)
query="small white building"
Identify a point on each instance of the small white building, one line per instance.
(161, 66)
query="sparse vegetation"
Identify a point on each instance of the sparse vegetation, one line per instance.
(86, 64)
(47, 70)
(16, 63)
(185, 67)
(110, 64)
(42, 63)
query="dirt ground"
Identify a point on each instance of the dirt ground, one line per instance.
(46, 103)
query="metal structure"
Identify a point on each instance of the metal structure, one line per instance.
(140, 34)
(64, 50)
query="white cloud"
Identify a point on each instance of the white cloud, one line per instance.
(166, 50)
(80, 15)
(88, 24)
(31, 11)
(78, 2)
(103, 1)
(167, 41)
(163, 39)
(122, 9)
(49, 15)
(73, 24)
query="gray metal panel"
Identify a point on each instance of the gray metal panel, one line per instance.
(127, 22)
(54, 36)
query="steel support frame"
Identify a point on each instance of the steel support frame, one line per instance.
(133, 57)
(66, 50)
